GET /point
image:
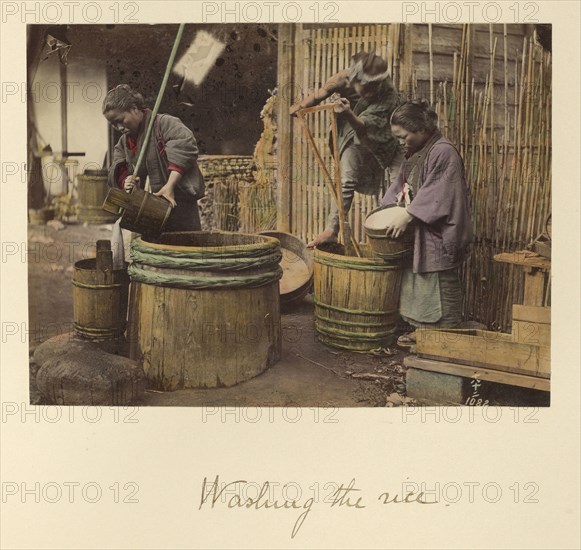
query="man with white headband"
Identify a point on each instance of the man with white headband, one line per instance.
(366, 145)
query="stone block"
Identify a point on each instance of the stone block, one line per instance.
(434, 386)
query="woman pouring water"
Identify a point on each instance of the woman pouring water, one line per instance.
(170, 158)
(431, 198)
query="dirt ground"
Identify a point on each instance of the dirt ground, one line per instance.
(309, 373)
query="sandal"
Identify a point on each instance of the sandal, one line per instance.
(406, 341)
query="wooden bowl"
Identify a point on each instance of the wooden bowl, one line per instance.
(381, 245)
(296, 264)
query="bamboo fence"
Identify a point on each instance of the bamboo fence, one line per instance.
(503, 137)
(508, 168)
(321, 53)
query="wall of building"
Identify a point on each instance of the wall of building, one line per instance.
(84, 87)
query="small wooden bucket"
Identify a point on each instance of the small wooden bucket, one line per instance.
(100, 296)
(92, 190)
(204, 308)
(141, 212)
(297, 267)
(356, 299)
(383, 246)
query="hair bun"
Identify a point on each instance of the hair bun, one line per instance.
(423, 103)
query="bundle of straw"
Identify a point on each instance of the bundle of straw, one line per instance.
(226, 208)
(257, 207)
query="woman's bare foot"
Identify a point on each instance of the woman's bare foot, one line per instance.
(327, 236)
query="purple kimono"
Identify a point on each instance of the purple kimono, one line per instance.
(442, 226)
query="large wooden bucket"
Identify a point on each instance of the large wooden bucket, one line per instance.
(141, 212)
(356, 299)
(92, 189)
(204, 308)
(100, 296)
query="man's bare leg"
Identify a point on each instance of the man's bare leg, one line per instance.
(327, 236)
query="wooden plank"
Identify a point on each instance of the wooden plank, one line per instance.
(134, 321)
(534, 287)
(517, 30)
(157, 335)
(444, 67)
(525, 258)
(494, 350)
(104, 263)
(535, 334)
(447, 38)
(407, 65)
(488, 375)
(444, 39)
(286, 37)
(531, 313)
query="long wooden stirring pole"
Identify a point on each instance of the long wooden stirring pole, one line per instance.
(334, 184)
(344, 227)
(170, 61)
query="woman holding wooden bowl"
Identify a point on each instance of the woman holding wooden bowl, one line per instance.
(431, 200)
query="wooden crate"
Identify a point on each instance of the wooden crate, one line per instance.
(531, 325)
(477, 373)
(485, 349)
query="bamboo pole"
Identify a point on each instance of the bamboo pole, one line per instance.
(334, 184)
(505, 48)
(505, 143)
(492, 176)
(303, 181)
(431, 54)
(508, 203)
(518, 143)
(446, 109)
(454, 71)
(311, 141)
(468, 71)
(536, 160)
(168, 67)
(525, 173)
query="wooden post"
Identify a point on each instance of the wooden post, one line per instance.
(406, 75)
(104, 263)
(287, 35)
(534, 287)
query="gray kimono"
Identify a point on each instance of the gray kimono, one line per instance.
(172, 146)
